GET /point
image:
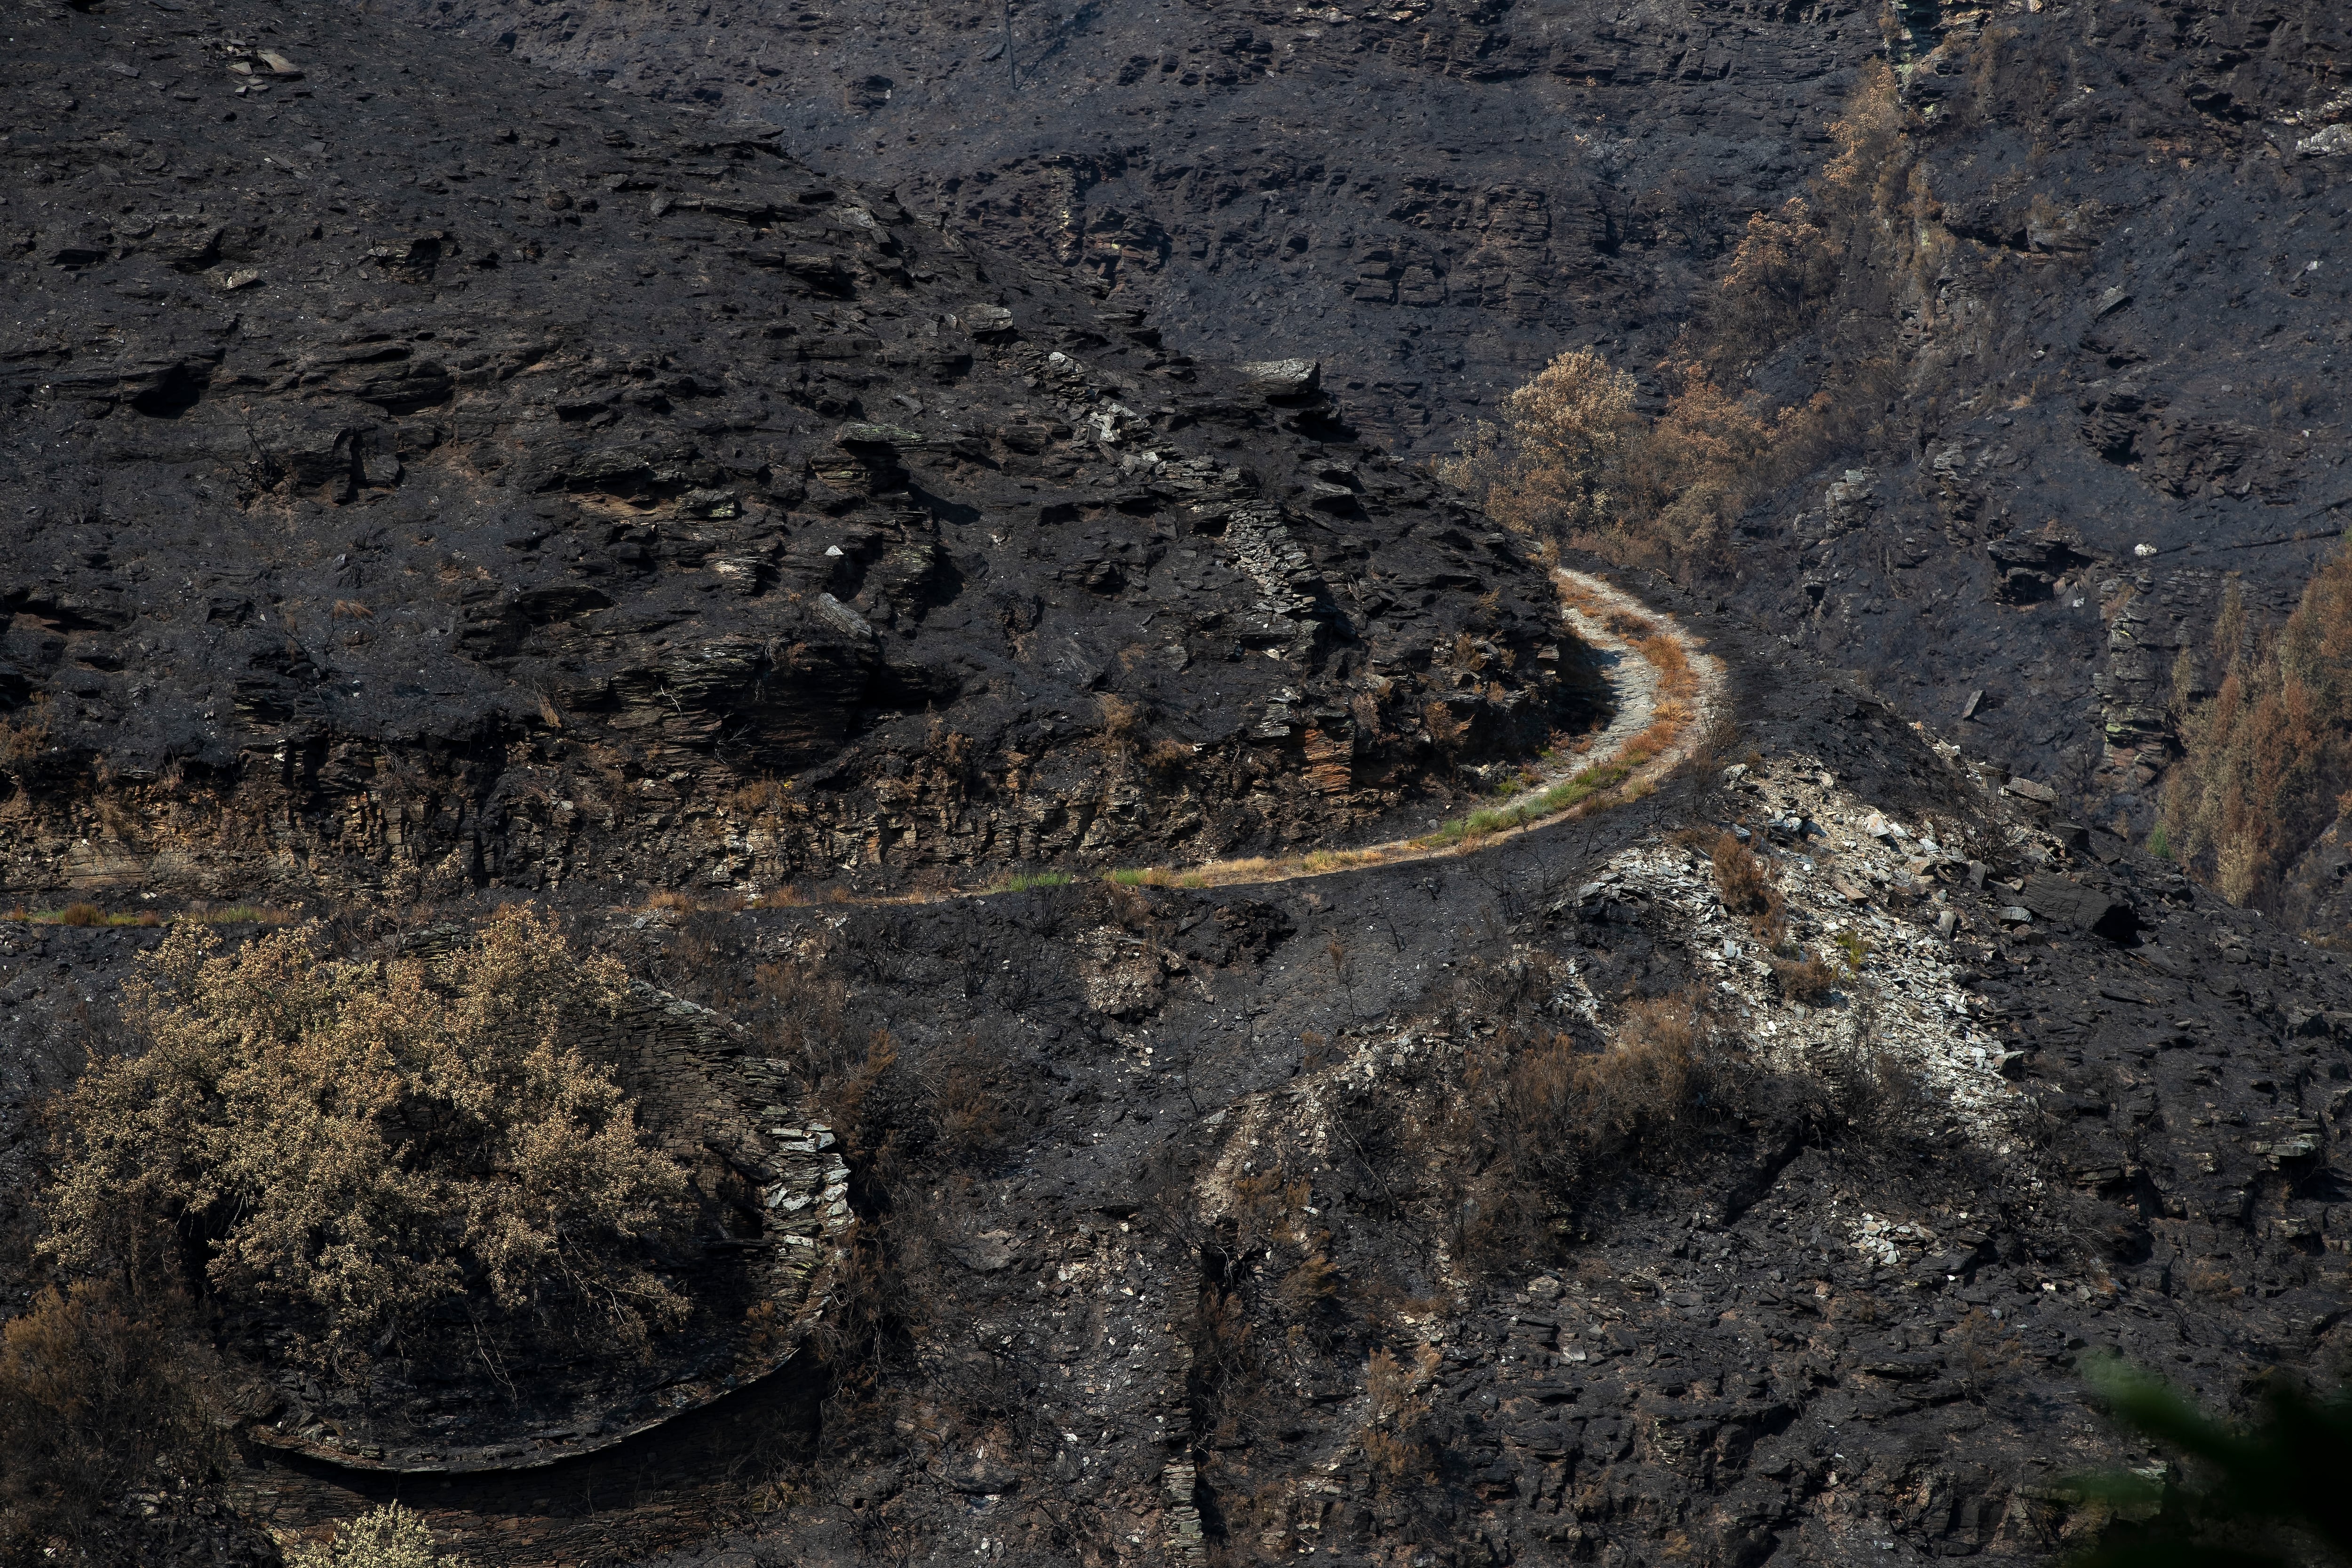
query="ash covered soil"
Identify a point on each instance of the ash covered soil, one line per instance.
(423, 474)
(2128, 332)
(1195, 1227)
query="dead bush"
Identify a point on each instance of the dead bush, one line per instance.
(1446, 732)
(969, 1111)
(762, 797)
(355, 1143)
(1168, 757)
(24, 734)
(1395, 1437)
(1741, 879)
(1538, 1117)
(81, 914)
(1804, 978)
(98, 1394)
(1123, 723)
(1645, 1073)
(1270, 1233)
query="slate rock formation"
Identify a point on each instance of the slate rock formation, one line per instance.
(2124, 339)
(464, 480)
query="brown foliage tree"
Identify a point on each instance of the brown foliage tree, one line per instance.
(1550, 467)
(356, 1142)
(1573, 462)
(2270, 755)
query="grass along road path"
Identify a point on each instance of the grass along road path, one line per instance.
(1667, 693)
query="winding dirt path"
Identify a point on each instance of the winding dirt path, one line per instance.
(1667, 692)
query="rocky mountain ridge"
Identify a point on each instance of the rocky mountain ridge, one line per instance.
(443, 483)
(2109, 381)
(486, 493)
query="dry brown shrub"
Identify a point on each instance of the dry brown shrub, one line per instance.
(798, 1012)
(1122, 724)
(1804, 978)
(2209, 1278)
(1646, 1072)
(1986, 1351)
(1168, 757)
(24, 734)
(1395, 1437)
(2269, 757)
(357, 1143)
(98, 1394)
(762, 797)
(1308, 1284)
(1446, 732)
(1536, 1117)
(971, 1116)
(1741, 879)
(81, 914)
(1227, 1375)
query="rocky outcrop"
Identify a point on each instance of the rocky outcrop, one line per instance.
(2125, 317)
(561, 488)
(1437, 197)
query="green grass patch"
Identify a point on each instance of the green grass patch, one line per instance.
(1129, 876)
(1559, 797)
(1030, 881)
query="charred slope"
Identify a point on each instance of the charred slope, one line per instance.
(428, 473)
(1438, 196)
(2125, 330)
(1837, 1312)
(1213, 1152)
